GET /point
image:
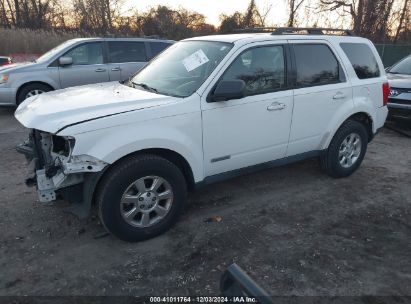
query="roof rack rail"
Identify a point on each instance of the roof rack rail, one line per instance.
(296, 30)
(311, 31)
(126, 36)
(255, 30)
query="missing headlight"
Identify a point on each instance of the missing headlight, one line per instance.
(63, 145)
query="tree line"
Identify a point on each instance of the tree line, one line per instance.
(378, 20)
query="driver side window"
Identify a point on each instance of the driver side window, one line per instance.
(87, 54)
(261, 68)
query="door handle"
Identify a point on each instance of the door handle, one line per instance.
(276, 106)
(100, 70)
(115, 69)
(339, 95)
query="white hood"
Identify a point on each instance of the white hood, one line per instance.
(55, 110)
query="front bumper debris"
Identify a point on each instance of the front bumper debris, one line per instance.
(53, 171)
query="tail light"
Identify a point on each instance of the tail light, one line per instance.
(385, 93)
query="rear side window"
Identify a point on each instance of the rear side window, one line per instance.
(316, 65)
(158, 47)
(126, 51)
(362, 60)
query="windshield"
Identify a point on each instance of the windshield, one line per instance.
(182, 68)
(402, 67)
(47, 56)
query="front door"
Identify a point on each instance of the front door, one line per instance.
(254, 129)
(88, 66)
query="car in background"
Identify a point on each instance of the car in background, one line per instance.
(399, 102)
(78, 62)
(5, 60)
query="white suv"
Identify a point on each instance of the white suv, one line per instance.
(206, 109)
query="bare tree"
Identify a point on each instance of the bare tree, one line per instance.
(402, 20)
(370, 18)
(4, 20)
(174, 24)
(379, 20)
(33, 14)
(251, 18)
(96, 15)
(262, 15)
(293, 6)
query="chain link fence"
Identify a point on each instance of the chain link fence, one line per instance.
(391, 53)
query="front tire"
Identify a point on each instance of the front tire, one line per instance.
(141, 197)
(347, 150)
(30, 90)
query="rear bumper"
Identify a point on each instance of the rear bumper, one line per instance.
(7, 96)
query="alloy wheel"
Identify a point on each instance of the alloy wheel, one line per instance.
(146, 201)
(350, 150)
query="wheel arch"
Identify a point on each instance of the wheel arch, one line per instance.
(172, 156)
(366, 120)
(22, 86)
(362, 117)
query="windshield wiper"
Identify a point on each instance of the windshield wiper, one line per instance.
(145, 86)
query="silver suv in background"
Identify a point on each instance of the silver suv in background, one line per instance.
(77, 62)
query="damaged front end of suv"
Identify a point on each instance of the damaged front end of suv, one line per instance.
(59, 174)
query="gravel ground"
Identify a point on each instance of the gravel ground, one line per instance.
(295, 230)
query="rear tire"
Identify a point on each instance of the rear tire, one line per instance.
(346, 150)
(141, 197)
(32, 90)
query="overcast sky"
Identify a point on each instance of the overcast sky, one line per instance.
(213, 8)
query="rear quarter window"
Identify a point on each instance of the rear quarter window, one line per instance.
(362, 59)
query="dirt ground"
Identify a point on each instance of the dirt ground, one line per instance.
(295, 230)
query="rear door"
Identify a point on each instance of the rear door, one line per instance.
(321, 90)
(126, 58)
(88, 65)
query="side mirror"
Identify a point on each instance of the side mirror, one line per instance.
(229, 89)
(64, 61)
